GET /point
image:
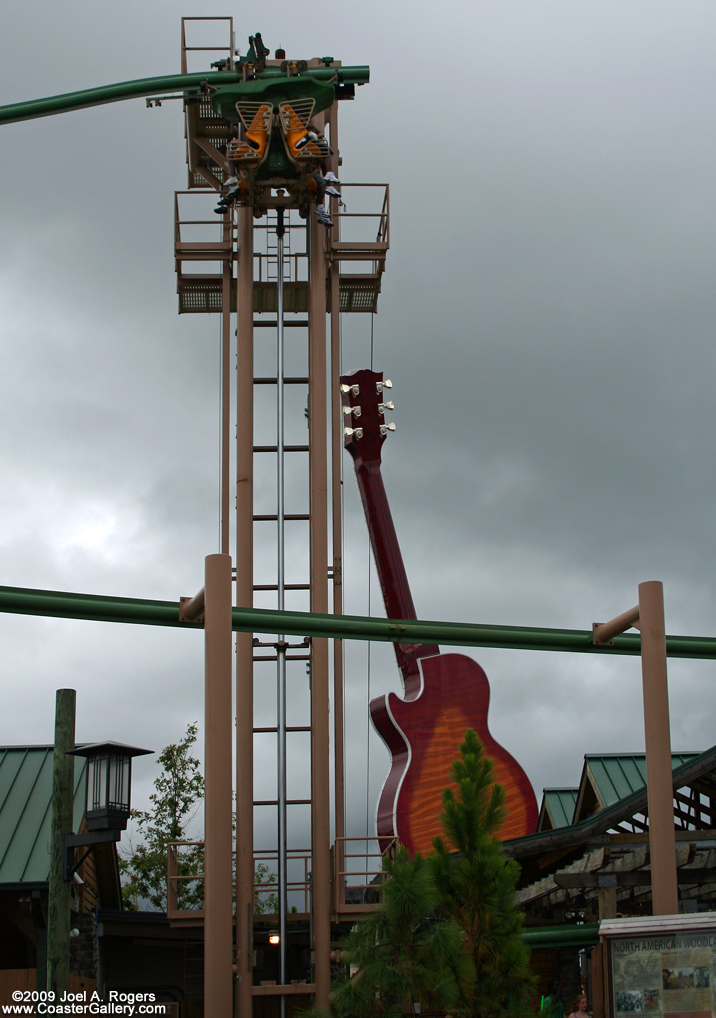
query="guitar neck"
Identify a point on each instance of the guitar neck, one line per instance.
(391, 570)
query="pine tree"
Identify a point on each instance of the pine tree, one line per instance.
(401, 952)
(476, 885)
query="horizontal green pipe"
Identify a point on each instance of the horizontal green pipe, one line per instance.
(562, 936)
(153, 86)
(59, 604)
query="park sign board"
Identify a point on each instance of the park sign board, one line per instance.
(662, 965)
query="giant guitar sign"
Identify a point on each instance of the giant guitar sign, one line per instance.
(443, 694)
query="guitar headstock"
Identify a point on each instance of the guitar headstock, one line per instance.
(363, 395)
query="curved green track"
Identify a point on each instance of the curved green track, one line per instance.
(272, 81)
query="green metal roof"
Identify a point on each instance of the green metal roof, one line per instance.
(606, 779)
(614, 776)
(557, 808)
(25, 794)
(695, 766)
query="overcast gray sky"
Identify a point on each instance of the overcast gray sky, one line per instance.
(546, 317)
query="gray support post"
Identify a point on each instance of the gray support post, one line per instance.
(60, 890)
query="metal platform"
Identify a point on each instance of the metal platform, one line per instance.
(200, 237)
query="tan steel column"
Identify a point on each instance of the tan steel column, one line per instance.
(244, 599)
(336, 419)
(320, 759)
(218, 920)
(662, 841)
(225, 388)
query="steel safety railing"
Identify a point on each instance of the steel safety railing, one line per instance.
(175, 879)
(346, 875)
(364, 234)
(219, 47)
(299, 888)
(357, 873)
(295, 267)
(216, 243)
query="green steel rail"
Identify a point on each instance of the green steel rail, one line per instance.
(142, 87)
(59, 604)
(562, 936)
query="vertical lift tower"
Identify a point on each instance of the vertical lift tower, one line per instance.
(274, 273)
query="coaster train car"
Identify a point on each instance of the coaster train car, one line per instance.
(272, 107)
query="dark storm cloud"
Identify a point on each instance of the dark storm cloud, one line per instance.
(546, 317)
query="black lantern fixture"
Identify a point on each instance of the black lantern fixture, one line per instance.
(107, 802)
(109, 777)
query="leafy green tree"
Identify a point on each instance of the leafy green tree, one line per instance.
(178, 792)
(265, 902)
(402, 952)
(476, 883)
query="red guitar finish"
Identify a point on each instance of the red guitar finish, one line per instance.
(444, 694)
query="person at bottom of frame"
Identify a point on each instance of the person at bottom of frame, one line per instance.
(551, 1004)
(580, 1007)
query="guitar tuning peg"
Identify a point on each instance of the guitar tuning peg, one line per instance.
(388, 405)
(358, 432)
(353, 389)
(355, 410)
(385, 428)
(385, 384)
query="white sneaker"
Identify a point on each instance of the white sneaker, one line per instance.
(308, 136)
(332, 177)
(230, 181)
(332, 191)
(323, 218)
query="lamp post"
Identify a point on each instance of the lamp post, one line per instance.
(107, 798)
(107, 808)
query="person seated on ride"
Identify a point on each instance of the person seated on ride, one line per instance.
(251, 147)
(310, 141)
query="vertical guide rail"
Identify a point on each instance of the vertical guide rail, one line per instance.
(281, 587)
(244, 598)
(226, 279)
(336, 418)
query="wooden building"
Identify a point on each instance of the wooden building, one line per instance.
(25, 810)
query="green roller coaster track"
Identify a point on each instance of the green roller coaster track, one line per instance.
(188, 84)
(95, 607)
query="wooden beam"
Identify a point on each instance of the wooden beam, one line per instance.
(633, 878)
